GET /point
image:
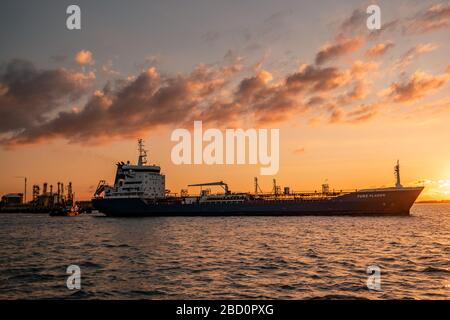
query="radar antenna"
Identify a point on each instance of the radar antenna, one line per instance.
(142, 153)
(397, 175)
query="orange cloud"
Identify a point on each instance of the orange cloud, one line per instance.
(133, 106)
(315, 101)
(360, 68)
(140, 103)
(317, 79)
(415, 88)
(299, 151)
(433, 108)
(434, 18)
(379, 49)
(84, 57)
(413, 53)
(358, 92)
(340, 47)
(362, 113)
(28, 95)
(250, 87)
(355, 24)
(335, 113)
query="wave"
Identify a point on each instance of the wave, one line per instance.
(432, 269)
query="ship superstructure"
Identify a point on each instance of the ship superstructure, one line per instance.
(135, 181)
(139, 190)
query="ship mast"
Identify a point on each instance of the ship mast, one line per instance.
(142, 153)
(257, 188)
(397, 175)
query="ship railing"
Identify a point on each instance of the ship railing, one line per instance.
(126, 194)
(293, 195)
(303, 194)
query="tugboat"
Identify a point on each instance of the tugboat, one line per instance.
(139, 190)
(64, 207)
(64, 212)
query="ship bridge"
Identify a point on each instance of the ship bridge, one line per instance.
(136, 180)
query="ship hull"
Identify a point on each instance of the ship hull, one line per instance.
(378, 202)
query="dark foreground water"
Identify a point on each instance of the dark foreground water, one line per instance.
(229, 257)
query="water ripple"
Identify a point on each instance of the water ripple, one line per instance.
(227, 257)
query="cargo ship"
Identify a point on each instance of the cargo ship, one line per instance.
(139, 190)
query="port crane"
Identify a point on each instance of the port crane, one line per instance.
(100, 188)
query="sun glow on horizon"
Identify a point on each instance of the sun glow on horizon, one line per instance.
(445, 186)
(436, 190)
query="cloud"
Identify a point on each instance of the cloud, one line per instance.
(336, 115)
(354, 22)
(28, 95)
(355, 25)
(359, 68)
(389, 26)
(358, 92)
(362, 113)
(219, 94)
(339, 47)
(424, 110)
(150, 61)
(379, 49)
(267, 102)
(434, 18)
(132, 107)
(360, 87)
(138, 104)
(108, 69)
(413, 53)
(315, 101)
(317, 79)
(254, 96)
(414, 88)
(84, 57)
(249, 88)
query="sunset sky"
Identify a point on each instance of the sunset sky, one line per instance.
(348, 101)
